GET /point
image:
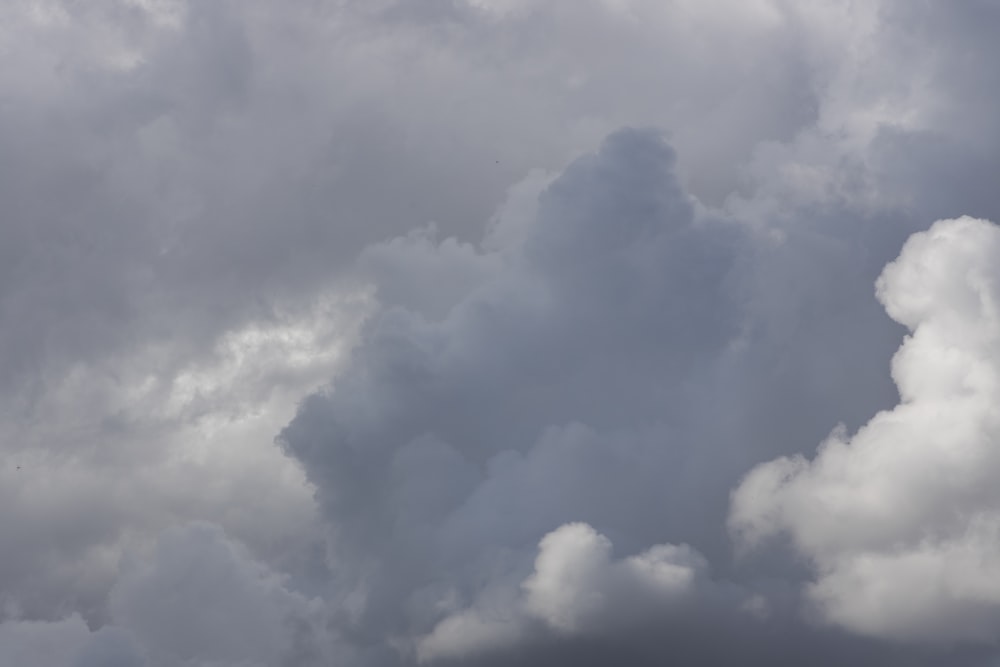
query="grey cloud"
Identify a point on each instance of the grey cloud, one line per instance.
(43, 644)
(196, 598)
(596, 370)
(201, 200)
(441, 445)
(67, 643)
(111, 647)
(898, 520)
(199, 598)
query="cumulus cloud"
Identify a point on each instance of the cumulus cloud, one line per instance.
(587, 364)
(223, 221)
(448, 439)
(575, 588)
(899, 520)
(182, 181)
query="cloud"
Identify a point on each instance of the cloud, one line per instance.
(899, 520)
(459, 434)
(199, 597)
(587, 367)
(574, 577)
(196, 598)
(575, 588)
(203, 201)
(43, 644)
(110, 647)
(184, 179)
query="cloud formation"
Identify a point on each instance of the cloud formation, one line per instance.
(561, 372)
(594, 371)
(518, 358)
(899, 520)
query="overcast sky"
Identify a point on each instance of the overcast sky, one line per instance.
(386, 333)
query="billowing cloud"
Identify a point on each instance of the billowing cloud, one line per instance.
(575, 589)
(588, 362)
(552, 391)
(506, 438)
(900, 519)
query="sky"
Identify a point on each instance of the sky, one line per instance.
(399, 333)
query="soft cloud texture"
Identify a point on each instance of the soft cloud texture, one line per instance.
(197, 599)
(595, 370)
(900, 519)
(574, 589)
(449, 439)
(503, 341)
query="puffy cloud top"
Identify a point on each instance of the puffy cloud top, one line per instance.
(900, 520)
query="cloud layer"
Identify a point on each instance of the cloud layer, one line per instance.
(362, 333)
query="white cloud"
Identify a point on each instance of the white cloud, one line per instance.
(576, 587)
(575, 579)
(900, 519)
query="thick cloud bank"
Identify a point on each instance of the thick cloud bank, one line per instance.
(195, 598)
(900, 520)
(360, 332)
(563, 385)
(578, 382)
